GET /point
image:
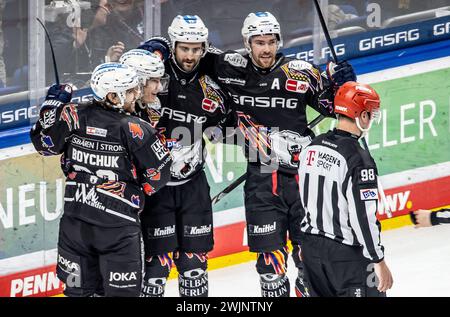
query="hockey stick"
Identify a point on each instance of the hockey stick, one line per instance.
(241, 178)
(325, 31)
(53, 52)
(228, 189)
(364, 142)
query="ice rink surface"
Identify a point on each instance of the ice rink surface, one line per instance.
(419, 260)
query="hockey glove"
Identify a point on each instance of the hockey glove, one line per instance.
(62, 93)
(57, 95)
(340, 73)
(158, 45)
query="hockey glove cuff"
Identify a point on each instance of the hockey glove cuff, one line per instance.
(57, 95)
(340, 73)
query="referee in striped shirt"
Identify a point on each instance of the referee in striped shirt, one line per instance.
(342, 251)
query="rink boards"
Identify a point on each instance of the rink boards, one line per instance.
(411, 148)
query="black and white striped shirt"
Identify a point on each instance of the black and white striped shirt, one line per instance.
(440, 217)
(338, 187)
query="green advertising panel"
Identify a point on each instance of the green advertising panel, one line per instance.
(31, 202)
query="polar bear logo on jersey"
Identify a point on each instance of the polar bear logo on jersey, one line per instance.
(185, 159)
(287, 146)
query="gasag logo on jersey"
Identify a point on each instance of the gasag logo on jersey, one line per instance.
(136, 130)
(182, 116)
(296, 86)
(155, 233)
(256, 230)
(266, 102)
(236, 59)
(159, 149)
(369, 194)
(96, 131)
(194, 231)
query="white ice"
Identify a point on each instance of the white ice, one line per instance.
(419, 260)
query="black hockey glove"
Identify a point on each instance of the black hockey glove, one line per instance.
(340, 73)
(159, 45)
(57, 95)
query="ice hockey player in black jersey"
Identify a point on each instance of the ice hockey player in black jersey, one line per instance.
(271, 93)
(343, 254)
(426, 218)
(108, 158)
(177, 221)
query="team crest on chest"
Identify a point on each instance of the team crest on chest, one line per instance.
(212, 99)
(297, 80)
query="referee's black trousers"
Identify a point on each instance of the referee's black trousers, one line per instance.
(335, 269)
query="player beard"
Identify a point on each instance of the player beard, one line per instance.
(188, 64)
(265, 60)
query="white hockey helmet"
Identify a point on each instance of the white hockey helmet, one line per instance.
(260, 23)
(189, 29)
(113, 77)
(146, 64)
